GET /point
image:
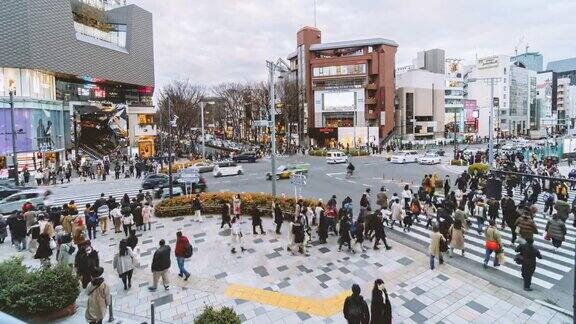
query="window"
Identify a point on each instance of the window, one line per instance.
(430, 129)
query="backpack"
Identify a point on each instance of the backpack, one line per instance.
(188, 250)
(92, 218)
(71, 249)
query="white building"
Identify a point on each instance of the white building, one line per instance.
(546, 117)
(420, 113)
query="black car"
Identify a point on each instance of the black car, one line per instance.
(251, 157)
(156, 180)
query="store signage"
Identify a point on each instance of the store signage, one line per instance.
(99, 93)
(488, 62)
(83, 92)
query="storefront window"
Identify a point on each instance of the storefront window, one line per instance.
(27, 83)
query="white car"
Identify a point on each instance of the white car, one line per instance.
(405, 157)
(227, 169)
(333, 157)
(37, 197)
(429, 158)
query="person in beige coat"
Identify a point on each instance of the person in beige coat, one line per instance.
(492, 235)
(98, 298)
(456, 237)
(435, 249)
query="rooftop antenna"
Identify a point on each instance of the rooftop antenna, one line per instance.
(315, 14)
(527, 46)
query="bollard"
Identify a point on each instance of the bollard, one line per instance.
(110, 311)
(152, 320)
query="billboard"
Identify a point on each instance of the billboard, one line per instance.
(487, 62)
(36, 129)
(339, 100)
(453, 68)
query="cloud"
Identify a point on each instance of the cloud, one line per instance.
(213, 41)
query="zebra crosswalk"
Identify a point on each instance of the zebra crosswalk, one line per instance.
(551, 269)
(82, 199)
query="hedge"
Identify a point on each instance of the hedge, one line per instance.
(478, 168)
(213, 201)
(225, 315)
(351, 152)
(34, 293)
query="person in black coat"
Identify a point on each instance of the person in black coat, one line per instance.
(18, 231)
(44, 252)
(322, 228)
(380, 233)
(256, 221)
(355, 308)
(380, 308)
(160, 266)
(345, 237)
(509, 215)
(225, 211)
(529, 254)
(85, 262)
(278, 218)
(132, 240)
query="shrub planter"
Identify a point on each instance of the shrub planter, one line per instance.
(213, 201)
(64, 312)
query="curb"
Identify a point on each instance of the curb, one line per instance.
(554, 307)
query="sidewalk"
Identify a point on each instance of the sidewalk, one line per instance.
(268, 285)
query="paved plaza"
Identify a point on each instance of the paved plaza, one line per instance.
(266, 284)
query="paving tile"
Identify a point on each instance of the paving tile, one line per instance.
(418, 318)
(414, 305)
(442, 277)
(417, 291)
(303, 316)
(528, 312)
(282, 268)
(162, 300)
(323, 278)
(477, 307)
(273, 255)
(405, 261)
(261, 270)
(221, 275)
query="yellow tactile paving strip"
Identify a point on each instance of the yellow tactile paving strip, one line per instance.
(313, 306)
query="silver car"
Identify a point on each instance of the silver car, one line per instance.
(37, 197)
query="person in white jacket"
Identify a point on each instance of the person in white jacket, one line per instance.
(124, 264)
(66, 250)
(236, 235)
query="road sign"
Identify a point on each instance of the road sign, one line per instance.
(299, 180)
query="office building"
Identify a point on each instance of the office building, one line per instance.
(346, 89)
(420, 112)
(430, 60)
(530, 60)
(454, 98)
(75, 66)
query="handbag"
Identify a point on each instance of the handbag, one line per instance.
(492, 245)
(546, 236)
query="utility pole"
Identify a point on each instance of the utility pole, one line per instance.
(170, 184)
(14, 153)
(271, 68)
(202, 104)
(491, 125)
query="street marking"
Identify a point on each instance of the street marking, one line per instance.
(351, 181)
(338, 178)
(313, 306)
(335, 173)
(367, 185)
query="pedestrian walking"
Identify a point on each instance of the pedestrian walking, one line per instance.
(132, 240)
(65, 250)
(380, 306)
(137, 215)
(278, 217)
(355, 308)
(380, 233)
(127, 221)
(435, 248)
(345, 235)
(160, 266)
(18, 230)
(124, 262)
(358, 234)
(556, 231)
(236, 205)
(456, 237)
(146, 216)
(86, 262)
(98, 298)
(382, 198)
(197, 209)
(103, 214)
(257, 221)
(527, 256)
(493, 244)
(91, 218)
(45, 246)
(182, 251)
(236, 235)
(225, 212)
(526, 226)
(3, 231)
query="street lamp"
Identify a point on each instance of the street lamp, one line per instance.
(202, 104)
(282, 67)
(492, 81)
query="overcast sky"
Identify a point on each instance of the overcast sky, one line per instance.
(212, 41)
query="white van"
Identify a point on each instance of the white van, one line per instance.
(333, 157)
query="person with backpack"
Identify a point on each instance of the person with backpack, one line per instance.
(91, 221)
(116, 215)
(355, 308)
(556, 231)
(182, 251)
(123, 262)
(481, 212)
(527, 254)
(98, 294)
(548, 203)
(65, 250)
(127, 220)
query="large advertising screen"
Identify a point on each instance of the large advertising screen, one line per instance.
(36, 130)
(339, 100)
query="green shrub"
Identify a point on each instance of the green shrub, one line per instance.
(224, 315)
(478, 168)
(213, 201)
(457, 162)
(31, 293)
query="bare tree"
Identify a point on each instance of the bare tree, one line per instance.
(288, 95)
(232, 97)
(185, 98)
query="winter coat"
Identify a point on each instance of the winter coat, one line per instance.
(491, 234)
(380, 308)
(527, 226)
(562, 209)
(236, 203)
(356, 301)
(98, 300)
(456, 238)
(44, 251)
(64, 256)
(278, 217)
(462, 216)
(103, 211)
(86, 263)
(161, 259)
(181, 244)
(529, 254)
(436, 240)
(556, 229)
(382, 200)
(138, 219)
(146, 214)
(124, 263)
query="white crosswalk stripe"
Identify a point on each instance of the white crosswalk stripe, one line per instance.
(553, 266)
(82, 199)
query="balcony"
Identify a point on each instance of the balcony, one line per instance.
(371, 101)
